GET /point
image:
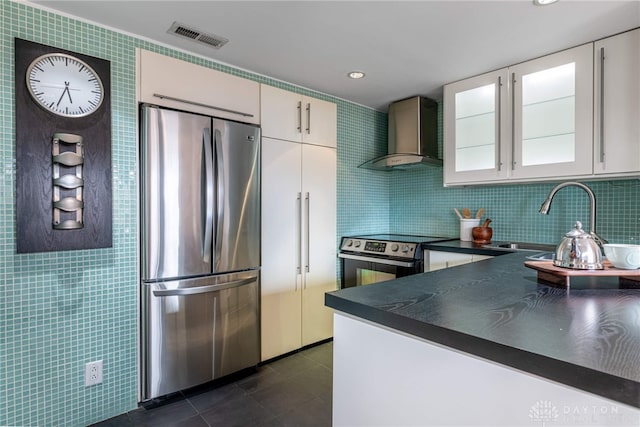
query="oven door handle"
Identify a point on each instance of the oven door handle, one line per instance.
(378, 260)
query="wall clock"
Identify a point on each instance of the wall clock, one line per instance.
(63, 149)
(65, 85)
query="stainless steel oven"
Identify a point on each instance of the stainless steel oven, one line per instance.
(380, 257)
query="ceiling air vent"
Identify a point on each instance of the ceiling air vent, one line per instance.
(191, 33)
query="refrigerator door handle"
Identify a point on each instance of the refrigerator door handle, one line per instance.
(208, 200)
(220, 186)
(203, 289)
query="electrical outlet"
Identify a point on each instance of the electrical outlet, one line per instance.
(93, 373)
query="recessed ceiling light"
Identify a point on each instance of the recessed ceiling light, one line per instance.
(543, 2)
(356, 75)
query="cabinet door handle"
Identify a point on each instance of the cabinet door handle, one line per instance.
(602, 153)
(198, 104)
(513, 121)
(307, 204)
(498, 131)
(308, 118)
(299, 246)
(299, 117)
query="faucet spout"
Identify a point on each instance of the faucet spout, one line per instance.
(546, 205)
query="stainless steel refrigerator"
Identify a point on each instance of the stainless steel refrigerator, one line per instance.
(200, 242)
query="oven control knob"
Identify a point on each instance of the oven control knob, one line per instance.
(357, 244)
(349, 243)
(405, 249)
(394, 247)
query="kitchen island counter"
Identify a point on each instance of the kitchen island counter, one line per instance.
(586, 337)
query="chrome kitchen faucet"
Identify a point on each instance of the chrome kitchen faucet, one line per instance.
(544, 209)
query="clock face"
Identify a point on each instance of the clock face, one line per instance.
(64, 85)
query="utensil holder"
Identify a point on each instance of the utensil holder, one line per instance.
(466, 225)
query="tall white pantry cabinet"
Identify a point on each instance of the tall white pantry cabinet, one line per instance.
(299, 138)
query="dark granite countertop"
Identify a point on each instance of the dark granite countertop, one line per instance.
(476, 249)
(587, 337)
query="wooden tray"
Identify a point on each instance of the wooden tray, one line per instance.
(560, 276)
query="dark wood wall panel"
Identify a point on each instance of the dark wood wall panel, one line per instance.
(34, 169)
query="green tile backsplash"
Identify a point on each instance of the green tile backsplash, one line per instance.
(61, 310)
(363, 195)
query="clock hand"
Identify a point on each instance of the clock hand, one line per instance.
(68, 92)
(66, 89)
(58, 87)
(61, 96)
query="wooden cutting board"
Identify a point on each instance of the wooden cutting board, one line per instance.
(560, 276)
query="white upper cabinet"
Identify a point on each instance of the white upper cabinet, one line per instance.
(475, 110)
(572, 114)
(173, 83)
(294, 117)
(617, 104)
(552, 101)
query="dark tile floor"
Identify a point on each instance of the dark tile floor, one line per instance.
(293, 391)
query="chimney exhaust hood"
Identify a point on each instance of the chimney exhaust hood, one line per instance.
(412, 134)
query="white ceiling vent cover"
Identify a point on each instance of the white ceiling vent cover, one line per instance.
(191, 33)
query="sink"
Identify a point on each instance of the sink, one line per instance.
(520, 246)
(543, 256)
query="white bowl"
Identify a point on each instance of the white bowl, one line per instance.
(623, 256)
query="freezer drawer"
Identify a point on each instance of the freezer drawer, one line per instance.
(197, 330)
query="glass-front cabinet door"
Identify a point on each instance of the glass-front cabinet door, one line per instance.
(552, 101)
(531, 121)
(476, 121)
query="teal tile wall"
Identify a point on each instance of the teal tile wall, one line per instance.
(59, 311)
(421, 205)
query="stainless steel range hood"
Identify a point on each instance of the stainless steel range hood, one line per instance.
(412, 134)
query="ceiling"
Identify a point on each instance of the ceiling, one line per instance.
(405, 48)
